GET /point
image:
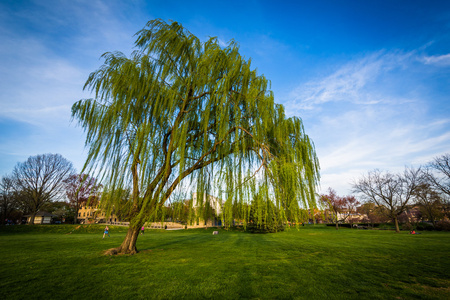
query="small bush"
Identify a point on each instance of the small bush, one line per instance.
(424, 226)
(345, 225)
(264, 228)
(443, 225)
(334, 225)
(269, 219)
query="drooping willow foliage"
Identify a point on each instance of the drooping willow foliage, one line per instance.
(182, 110)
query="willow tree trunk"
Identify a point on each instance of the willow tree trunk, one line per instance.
(129, 243)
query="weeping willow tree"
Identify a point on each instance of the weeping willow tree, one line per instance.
(179, 110)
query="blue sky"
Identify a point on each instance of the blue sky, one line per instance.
(370, 79)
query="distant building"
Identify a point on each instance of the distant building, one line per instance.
(92, 214)
(214, 202)
(41, 217)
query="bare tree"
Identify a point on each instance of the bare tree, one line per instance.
(393, 191)
(446, 205)
(79, 190)
(7, 198)
(429, 201)
(40, 180)
(438, 173)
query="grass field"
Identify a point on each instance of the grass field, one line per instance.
(316, 262)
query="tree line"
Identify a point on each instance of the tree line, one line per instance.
(45, 182)
(389, 196)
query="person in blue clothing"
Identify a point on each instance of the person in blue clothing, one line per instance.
(106, 232)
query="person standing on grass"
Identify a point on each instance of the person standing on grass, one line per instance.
(142, 230)
(106, 232)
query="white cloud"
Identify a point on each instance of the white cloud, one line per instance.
(41, 77)
(222, 43)
(38, 87)
(42, 72)
(440, 60)
(353, 82)
(370, 114)
(379, 142)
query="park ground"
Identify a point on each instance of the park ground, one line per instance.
(314, 262)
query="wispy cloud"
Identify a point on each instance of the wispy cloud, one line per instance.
(41, 75)
(378, 143)
(46, 54)
(441, 60)
(222, 43)
(370, 114)
(36, 83)
(352, 82)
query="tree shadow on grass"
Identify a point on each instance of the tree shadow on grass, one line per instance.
(179, 240)
(245, 278)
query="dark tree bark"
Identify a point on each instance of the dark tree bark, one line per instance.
(128, 245)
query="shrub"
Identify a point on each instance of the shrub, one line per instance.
(424, 226)
(264, 217)
(264, 228)
(443, 225)
(344, 225)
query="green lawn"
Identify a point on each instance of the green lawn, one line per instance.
(316, 262)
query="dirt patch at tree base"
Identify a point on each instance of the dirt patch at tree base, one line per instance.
(114, 251)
